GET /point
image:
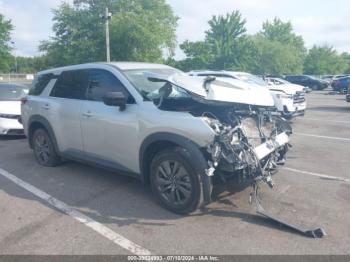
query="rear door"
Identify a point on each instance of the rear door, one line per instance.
(109, 135)
(63, 110)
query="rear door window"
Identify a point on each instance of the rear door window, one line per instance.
(71, 85)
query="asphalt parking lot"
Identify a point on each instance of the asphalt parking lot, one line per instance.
(107, 210)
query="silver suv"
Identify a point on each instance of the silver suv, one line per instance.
(155, 123)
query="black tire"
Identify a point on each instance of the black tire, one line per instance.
(174, 181)
(44, 150)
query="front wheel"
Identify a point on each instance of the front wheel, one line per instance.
(174, 181)
(44, 150)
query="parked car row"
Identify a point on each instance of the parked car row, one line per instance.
(308, 81)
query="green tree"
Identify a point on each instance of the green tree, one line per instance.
(224, 37)
(346, 57)
(198, 56)
(5, 49)
(323, 60)
(280, 50)
(273, 57)
(31, 64)
(226, 46)
(141, 30)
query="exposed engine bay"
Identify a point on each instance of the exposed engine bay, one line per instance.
(251, 146)
(250, 141)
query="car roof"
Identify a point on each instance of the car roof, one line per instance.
(119, 65)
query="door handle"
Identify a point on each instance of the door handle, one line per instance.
(88, 114)
(46, 107)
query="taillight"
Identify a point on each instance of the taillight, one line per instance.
(24, 101)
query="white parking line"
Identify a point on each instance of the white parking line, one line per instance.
(342, 179)
(87, 221)
(326, 137)
(335, 121)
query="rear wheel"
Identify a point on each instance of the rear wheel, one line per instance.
(44, 150)
(174, 181)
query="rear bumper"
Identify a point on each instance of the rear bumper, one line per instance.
(10, 127)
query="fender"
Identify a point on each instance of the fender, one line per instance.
(43, 121)
(198, 161)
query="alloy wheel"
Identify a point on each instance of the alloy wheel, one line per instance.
(42, 148)
(173, 182)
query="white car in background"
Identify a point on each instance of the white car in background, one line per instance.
(289, 99)
(10, 108)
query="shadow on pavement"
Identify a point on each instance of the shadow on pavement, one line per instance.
(9, 138)
(336, 109)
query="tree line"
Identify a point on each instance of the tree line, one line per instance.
(145, 30)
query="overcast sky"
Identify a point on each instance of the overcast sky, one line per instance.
(318, 21)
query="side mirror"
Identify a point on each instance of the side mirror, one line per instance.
(115, 99)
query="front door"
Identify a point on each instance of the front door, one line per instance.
(109, 135)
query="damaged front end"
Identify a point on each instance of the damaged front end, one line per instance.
(250, 140)
(249, 145)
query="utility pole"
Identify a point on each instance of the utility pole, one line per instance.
(106, 17)
(15, 55)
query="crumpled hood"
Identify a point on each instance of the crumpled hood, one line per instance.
(289, 89)
(10, 107)
(221, 89)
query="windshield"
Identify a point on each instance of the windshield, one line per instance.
(252, 79)
(12, 93)
(150, 89)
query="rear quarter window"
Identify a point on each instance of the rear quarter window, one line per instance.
(39, 84)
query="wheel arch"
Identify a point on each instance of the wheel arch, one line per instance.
(160, 141)
(37, 121)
